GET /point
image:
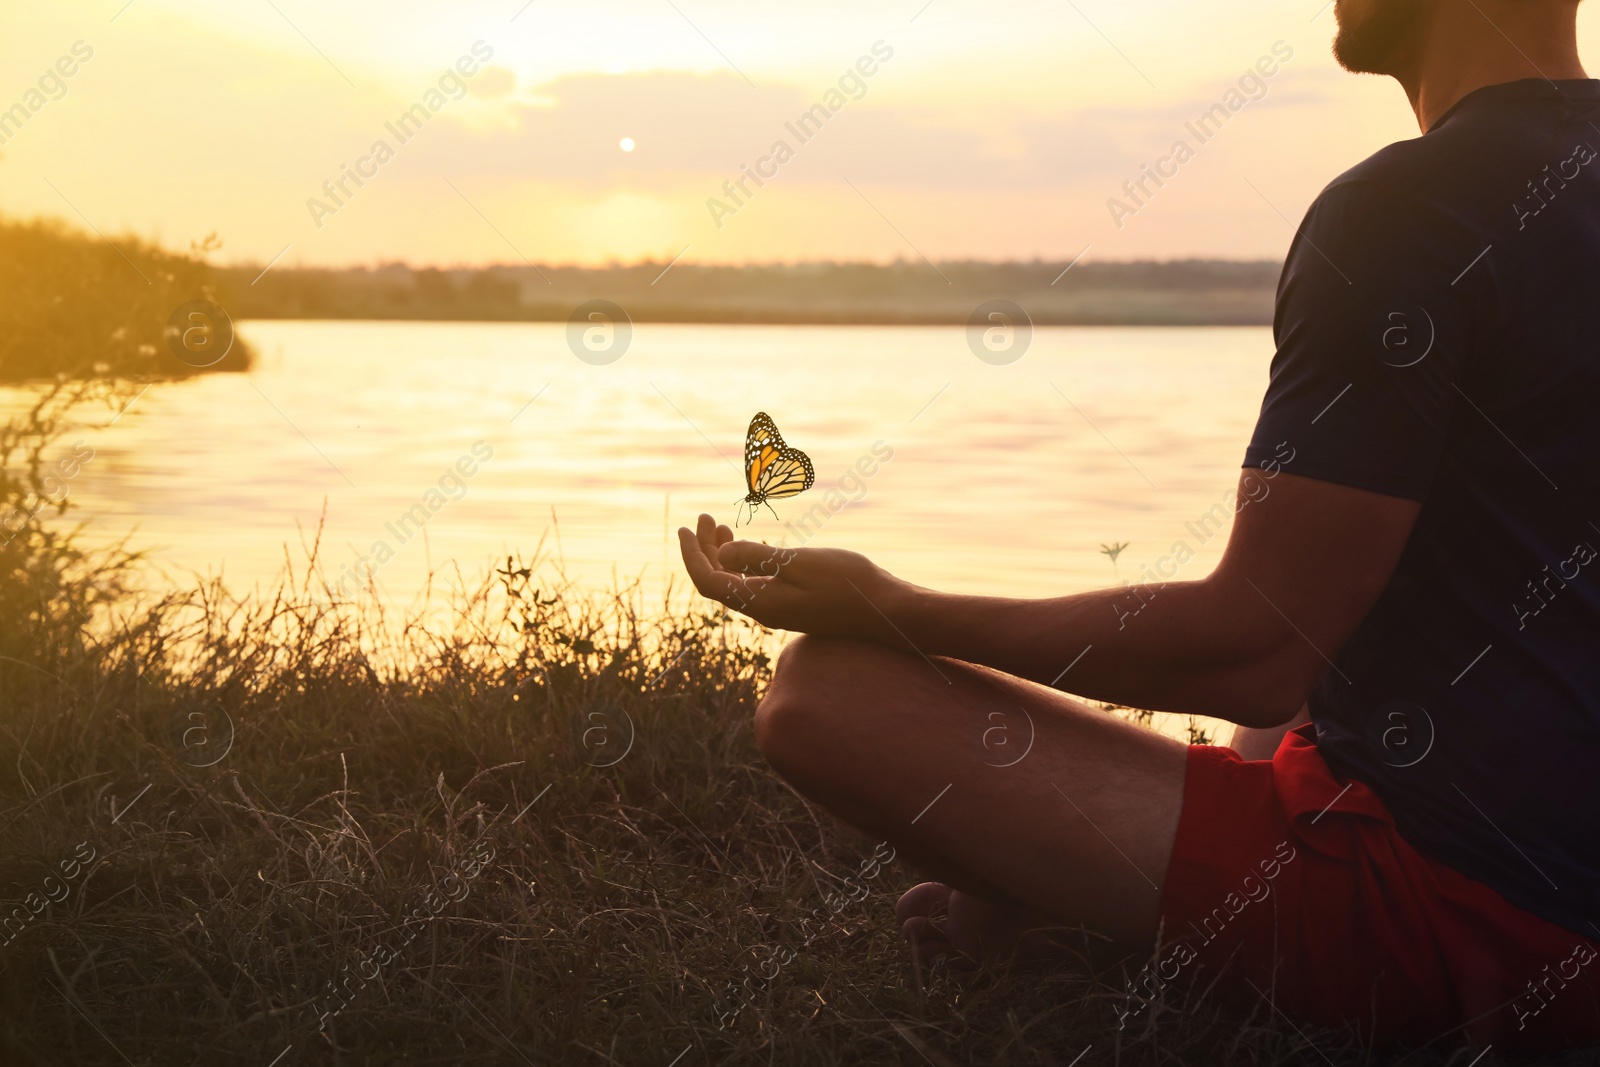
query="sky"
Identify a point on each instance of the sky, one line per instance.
(616, 130)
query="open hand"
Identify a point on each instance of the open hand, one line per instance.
(825, 591)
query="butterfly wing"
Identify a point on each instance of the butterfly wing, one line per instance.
(788, 474)
(762, 446)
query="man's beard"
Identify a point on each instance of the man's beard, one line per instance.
(1376, 41)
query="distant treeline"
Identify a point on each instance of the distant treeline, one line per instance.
(1177, 293)
(79, 305)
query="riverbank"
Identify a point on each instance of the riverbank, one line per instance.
(288, 830)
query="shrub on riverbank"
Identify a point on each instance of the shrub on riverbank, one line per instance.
(81, 305)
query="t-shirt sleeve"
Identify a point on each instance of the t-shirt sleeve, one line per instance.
(1373, 325)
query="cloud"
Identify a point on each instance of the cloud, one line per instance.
(492, 82)
(692, 128)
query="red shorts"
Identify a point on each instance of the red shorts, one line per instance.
(1291, 885)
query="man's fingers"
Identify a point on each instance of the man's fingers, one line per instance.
(706, 532)
(724, 535)
(701, 570)
(711, 581)
(694, 555)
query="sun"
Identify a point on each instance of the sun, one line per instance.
(626, 144)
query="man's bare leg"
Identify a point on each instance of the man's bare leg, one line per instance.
(1012, 793)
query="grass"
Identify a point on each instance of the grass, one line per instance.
(294, 830)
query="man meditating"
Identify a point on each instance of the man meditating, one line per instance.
(1406, 627)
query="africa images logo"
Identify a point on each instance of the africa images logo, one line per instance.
(1403, 335)
(1251, 88)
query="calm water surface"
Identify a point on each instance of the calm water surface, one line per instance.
(1003, 479)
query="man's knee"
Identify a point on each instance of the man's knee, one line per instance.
(792, 721)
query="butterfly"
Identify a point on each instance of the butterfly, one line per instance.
(772, 468)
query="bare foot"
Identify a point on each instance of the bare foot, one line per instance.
(939, 921)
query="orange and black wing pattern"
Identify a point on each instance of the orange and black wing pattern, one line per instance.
(773, 470)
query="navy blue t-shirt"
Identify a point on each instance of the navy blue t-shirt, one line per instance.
(1438, 339)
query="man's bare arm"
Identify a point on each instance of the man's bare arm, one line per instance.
(1303, 566)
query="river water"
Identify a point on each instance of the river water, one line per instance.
(981, 478)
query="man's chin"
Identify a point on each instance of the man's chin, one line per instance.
(1382, 39)
(1358, 54)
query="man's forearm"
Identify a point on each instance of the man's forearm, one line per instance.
(1186, 646)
